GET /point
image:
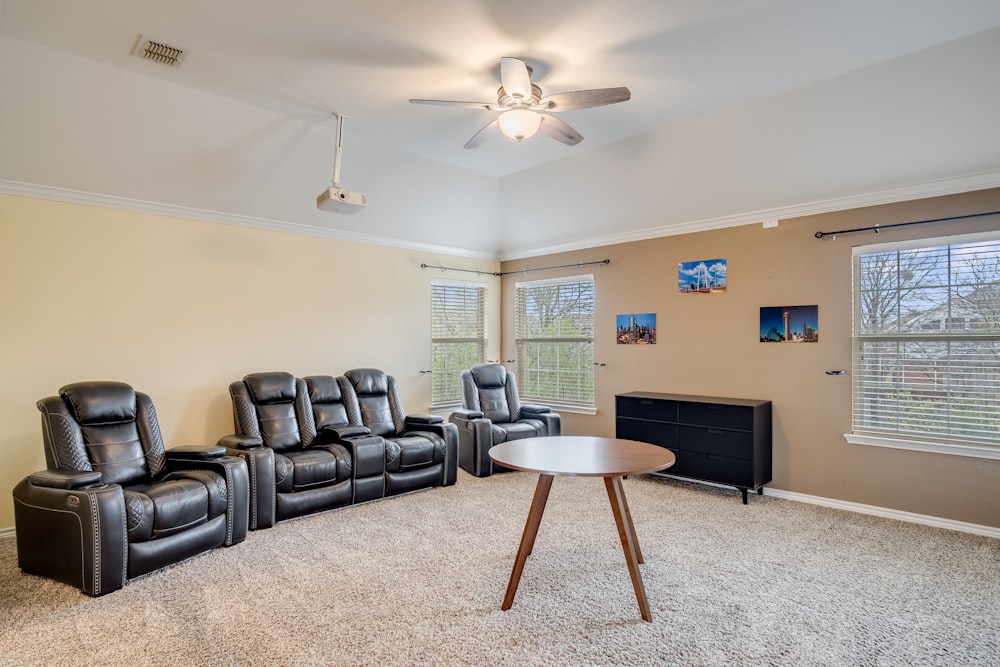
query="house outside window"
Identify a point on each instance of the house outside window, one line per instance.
(554, 342)
(926, 340)
(458, 337)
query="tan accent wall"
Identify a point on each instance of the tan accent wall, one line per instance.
(709, 345)
(179, 308)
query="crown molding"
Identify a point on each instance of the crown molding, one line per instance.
(891, 196)
(169, 210)
(894, 195)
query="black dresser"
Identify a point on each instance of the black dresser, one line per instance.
(721, 440)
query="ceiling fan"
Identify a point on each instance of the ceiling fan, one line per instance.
(525, 111)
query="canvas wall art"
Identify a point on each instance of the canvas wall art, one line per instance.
(706, 276)
(789, 324)
(636, 329)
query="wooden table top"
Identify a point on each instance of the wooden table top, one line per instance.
(582, 456)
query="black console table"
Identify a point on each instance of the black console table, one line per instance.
(721, 440)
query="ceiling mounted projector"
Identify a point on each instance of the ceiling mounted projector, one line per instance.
(336, 198)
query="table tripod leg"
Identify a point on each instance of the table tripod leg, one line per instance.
(630, 543)
(528, 537)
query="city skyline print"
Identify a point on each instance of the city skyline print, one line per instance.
(636, 329)
(705, 276)
(789, 324)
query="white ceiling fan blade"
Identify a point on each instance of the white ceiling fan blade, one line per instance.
(489, 106)
(482, 135)
(584, 99)
(515, 78)
(556, 129)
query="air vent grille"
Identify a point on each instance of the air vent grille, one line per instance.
(158, 52)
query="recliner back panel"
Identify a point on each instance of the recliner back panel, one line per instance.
(279, 427)
(116, 452)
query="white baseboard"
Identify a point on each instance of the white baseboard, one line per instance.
(6, 532)
(911, 517)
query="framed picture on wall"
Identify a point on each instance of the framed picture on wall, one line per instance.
(789, 324)
(636, 329)
(705, 276)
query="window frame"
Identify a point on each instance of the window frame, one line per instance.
(584, 369)
(923, 334)
(446, 400)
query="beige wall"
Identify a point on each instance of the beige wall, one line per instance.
(708, 345)
(179, 308)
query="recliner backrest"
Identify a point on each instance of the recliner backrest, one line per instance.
(274, 407)
(372, 399)
(491, 389)
(327, 400)
(103, 426)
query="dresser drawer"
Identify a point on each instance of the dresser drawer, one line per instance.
(643, 430)
(715, 414)
(707, 440)
(712, 468)
(645, 408)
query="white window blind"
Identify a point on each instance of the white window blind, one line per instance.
(554, 341)
(458, 336)
(927, 340)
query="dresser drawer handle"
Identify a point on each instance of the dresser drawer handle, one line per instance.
(714, 431)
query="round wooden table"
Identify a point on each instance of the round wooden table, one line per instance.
(582, 456)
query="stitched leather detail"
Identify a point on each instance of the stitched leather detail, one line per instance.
(282, 469)
(133, 510)
(246, 420)
(67, 448)
(155, 458)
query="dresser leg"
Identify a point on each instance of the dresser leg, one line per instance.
(743, 490)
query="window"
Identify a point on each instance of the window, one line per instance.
(554, 341)
(927, 345)
(458, 336)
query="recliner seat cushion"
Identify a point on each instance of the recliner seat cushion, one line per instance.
(312, 468)
(516, 431)
(165, 508)
(412, 451)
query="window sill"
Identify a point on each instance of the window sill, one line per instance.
(974, 451)
(577, 409)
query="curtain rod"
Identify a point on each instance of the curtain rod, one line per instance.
(507, 273)
(876, 228)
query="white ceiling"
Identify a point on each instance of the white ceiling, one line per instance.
(740, 109)
(365, 59)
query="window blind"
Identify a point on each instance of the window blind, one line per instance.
(926, 337)
(458, 336)
(554, 341)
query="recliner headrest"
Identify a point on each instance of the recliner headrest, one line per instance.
(276, 387)
(368, 381)
(323, 389)
(100, 402)
(489, 375)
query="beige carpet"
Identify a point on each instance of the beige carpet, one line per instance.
(418, 580)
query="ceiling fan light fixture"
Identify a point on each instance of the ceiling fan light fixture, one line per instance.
(519, 124)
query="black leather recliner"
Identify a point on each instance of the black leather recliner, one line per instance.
(292, 472)
(114, 504)
(493, 413)
(421, 450)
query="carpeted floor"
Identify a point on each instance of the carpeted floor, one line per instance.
(418, 580)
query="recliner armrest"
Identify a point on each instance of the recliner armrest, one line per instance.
(236, 441)
(65, 479)
(195, 452)
(339, 434)
(423, 419)
(535, 409)
(462, 413)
